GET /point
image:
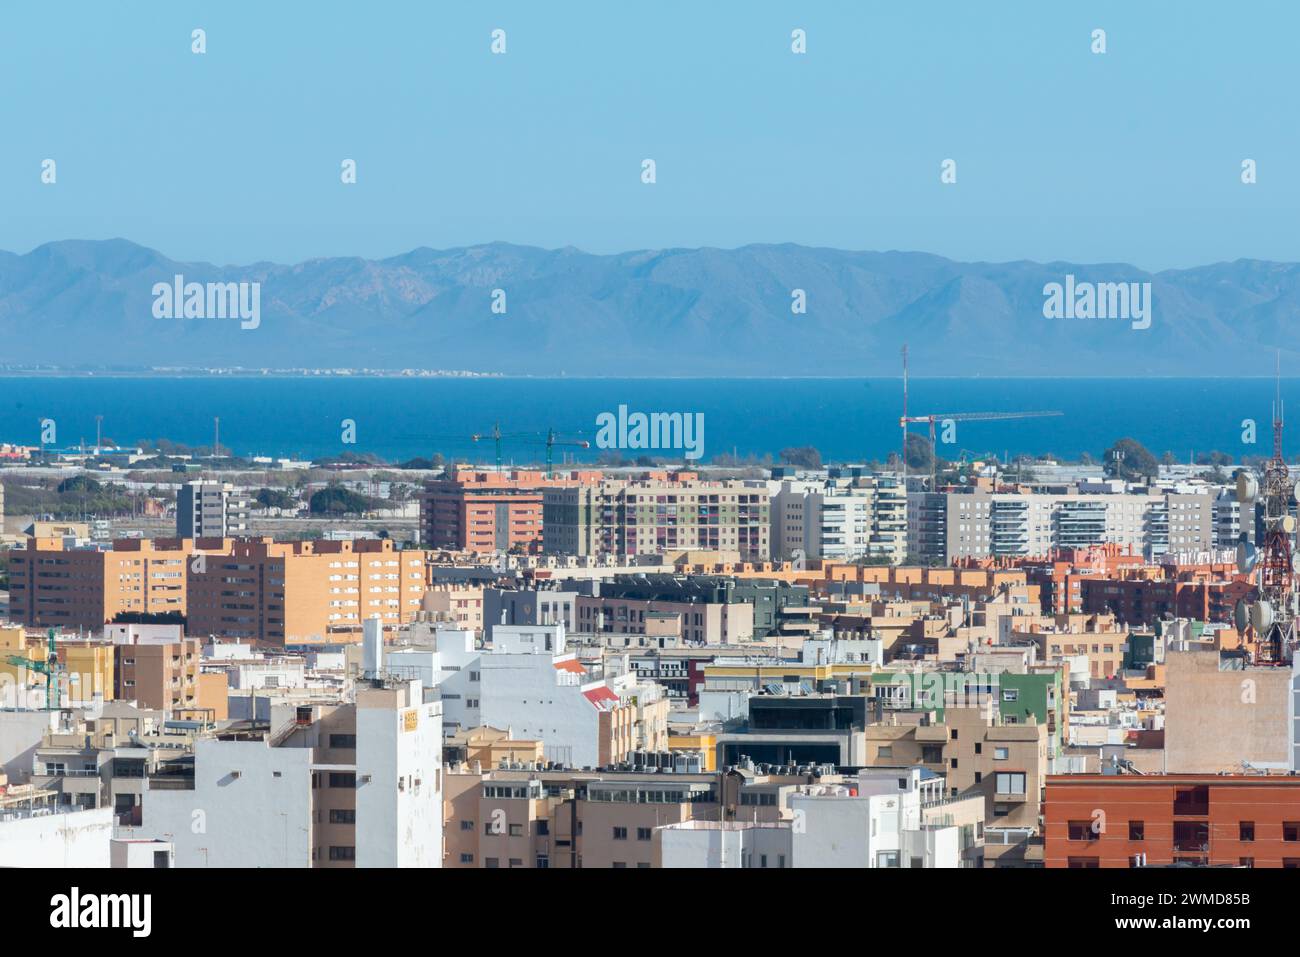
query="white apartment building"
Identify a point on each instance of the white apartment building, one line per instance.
(946, 526)
(882, 822)
(725, 844)
(356, 784)
(209, 509)
(445, 658)
(839, 519)
(530, 685)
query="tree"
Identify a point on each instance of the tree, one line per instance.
(275, 498)
(918, 453)
(803, 456)
(1128, 459)
(82, 484)
(337, 500)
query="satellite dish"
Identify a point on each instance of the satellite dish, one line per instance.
(1241, 616)
(1288, 524)
(1261, 616)
(1296, 491)
(1247, 487)
(1246, 557)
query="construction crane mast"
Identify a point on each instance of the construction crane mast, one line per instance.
(961, 417)
(50, 667)
(551, 441)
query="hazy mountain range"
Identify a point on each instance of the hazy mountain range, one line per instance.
(697, 312)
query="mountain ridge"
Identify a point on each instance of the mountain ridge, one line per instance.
(79, 304)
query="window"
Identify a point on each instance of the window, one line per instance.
(543, 862)
(1010, 694)
(491, 862)
(620, 834)
(343, 741)
(999, 754)
(467, 858)
(467, 825)
(1247, 862)
(343, 815)
(643, 833)
(954, 734)
(619, 864)
(1011, 782)
(979, 748)
(543, 827)
(1137, 830)
(1081, 831)
(343, 853)
(887, 859)
(343, 779)
(1290, 831)
(1083, 862)
(516, 830)
(1246, 831)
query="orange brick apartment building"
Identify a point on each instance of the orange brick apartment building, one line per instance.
(271, 592)
(279, 593)
(1096, 820)
(72, 588)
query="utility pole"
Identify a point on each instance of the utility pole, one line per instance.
(99, 422)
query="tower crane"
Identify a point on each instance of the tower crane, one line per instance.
(906, 420)
(551, 440)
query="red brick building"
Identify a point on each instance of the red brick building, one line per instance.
(1142, 601)
(488, 511)
(1099, 820)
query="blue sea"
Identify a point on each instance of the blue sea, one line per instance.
(845, 419)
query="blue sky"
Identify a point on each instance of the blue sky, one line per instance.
(234, 156)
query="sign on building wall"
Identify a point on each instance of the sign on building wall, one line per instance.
(410, 719)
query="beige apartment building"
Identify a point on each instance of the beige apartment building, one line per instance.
(1096, 637)
(1222, 714)
(650, 623)
(978, 754)
(658, 514)
(159, 676)
(541, 819)
(458, 604)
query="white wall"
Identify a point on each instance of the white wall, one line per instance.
(399, 809)
(20, 733)
(75, 839)
(524, 694)
(254, 820)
